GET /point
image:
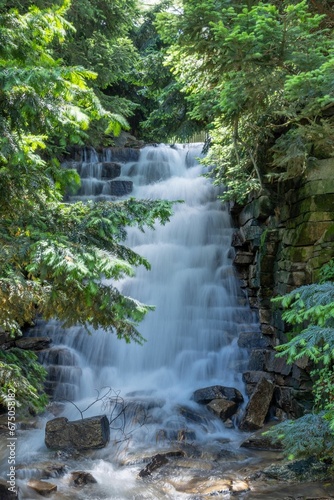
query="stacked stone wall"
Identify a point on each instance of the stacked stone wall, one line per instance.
(284, 236)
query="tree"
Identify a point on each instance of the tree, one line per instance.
(99, 41)
(310, 311)
(259, 75)
(53, 255)
(162, 113)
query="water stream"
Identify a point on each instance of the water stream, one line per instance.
(191, 337)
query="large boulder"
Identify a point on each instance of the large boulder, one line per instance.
(85, 434)
(258, 406)
(207, 394)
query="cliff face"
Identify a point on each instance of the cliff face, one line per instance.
(283, 239)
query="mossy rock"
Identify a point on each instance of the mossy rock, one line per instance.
(318, 203)
(317, 187)
(307, 233)
(322, 169)
(297, 254)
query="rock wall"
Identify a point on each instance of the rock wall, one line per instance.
(284, 236)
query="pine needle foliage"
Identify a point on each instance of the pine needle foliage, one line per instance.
(310, 311)
(56, 258)
(309, 436)
(21, 372)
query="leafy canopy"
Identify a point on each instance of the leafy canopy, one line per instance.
(259, 74)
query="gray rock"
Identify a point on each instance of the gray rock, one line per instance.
(80, 478)
(88, 433)
(207, 394)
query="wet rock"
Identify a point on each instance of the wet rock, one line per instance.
(156, 462)
(258, 441)
(33, 343)
(228, 424)
(185, 435)
(28, 425)
(120, 188)
(187, 463)
(122, 154)
(308, 469)
(80, 478)
(5, 494)
(56, 408)
(207, 394)
(110, 170)
(191, 415)
(251, 340)
(239, 487)
(222, 408)
(42, 487)
(181, 435)
(243, 258)
(88, 433)
(139, 459)
(258, 406)
(58, 356)
(201, 486)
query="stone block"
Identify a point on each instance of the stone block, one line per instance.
(120, 188)
(267, 329)
(258, 406)
(257, 360)
(276, 365)
(267, 263)
(250, 340)
(110, 170)
(222, 408)
(88, 433)
(238, 239)
(265, 315)
(243, 258)
(306, 233)
(254, 377)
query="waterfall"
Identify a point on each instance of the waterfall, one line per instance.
(191, 337)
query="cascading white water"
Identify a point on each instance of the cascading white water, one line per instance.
(191, 337)
(192, 334)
